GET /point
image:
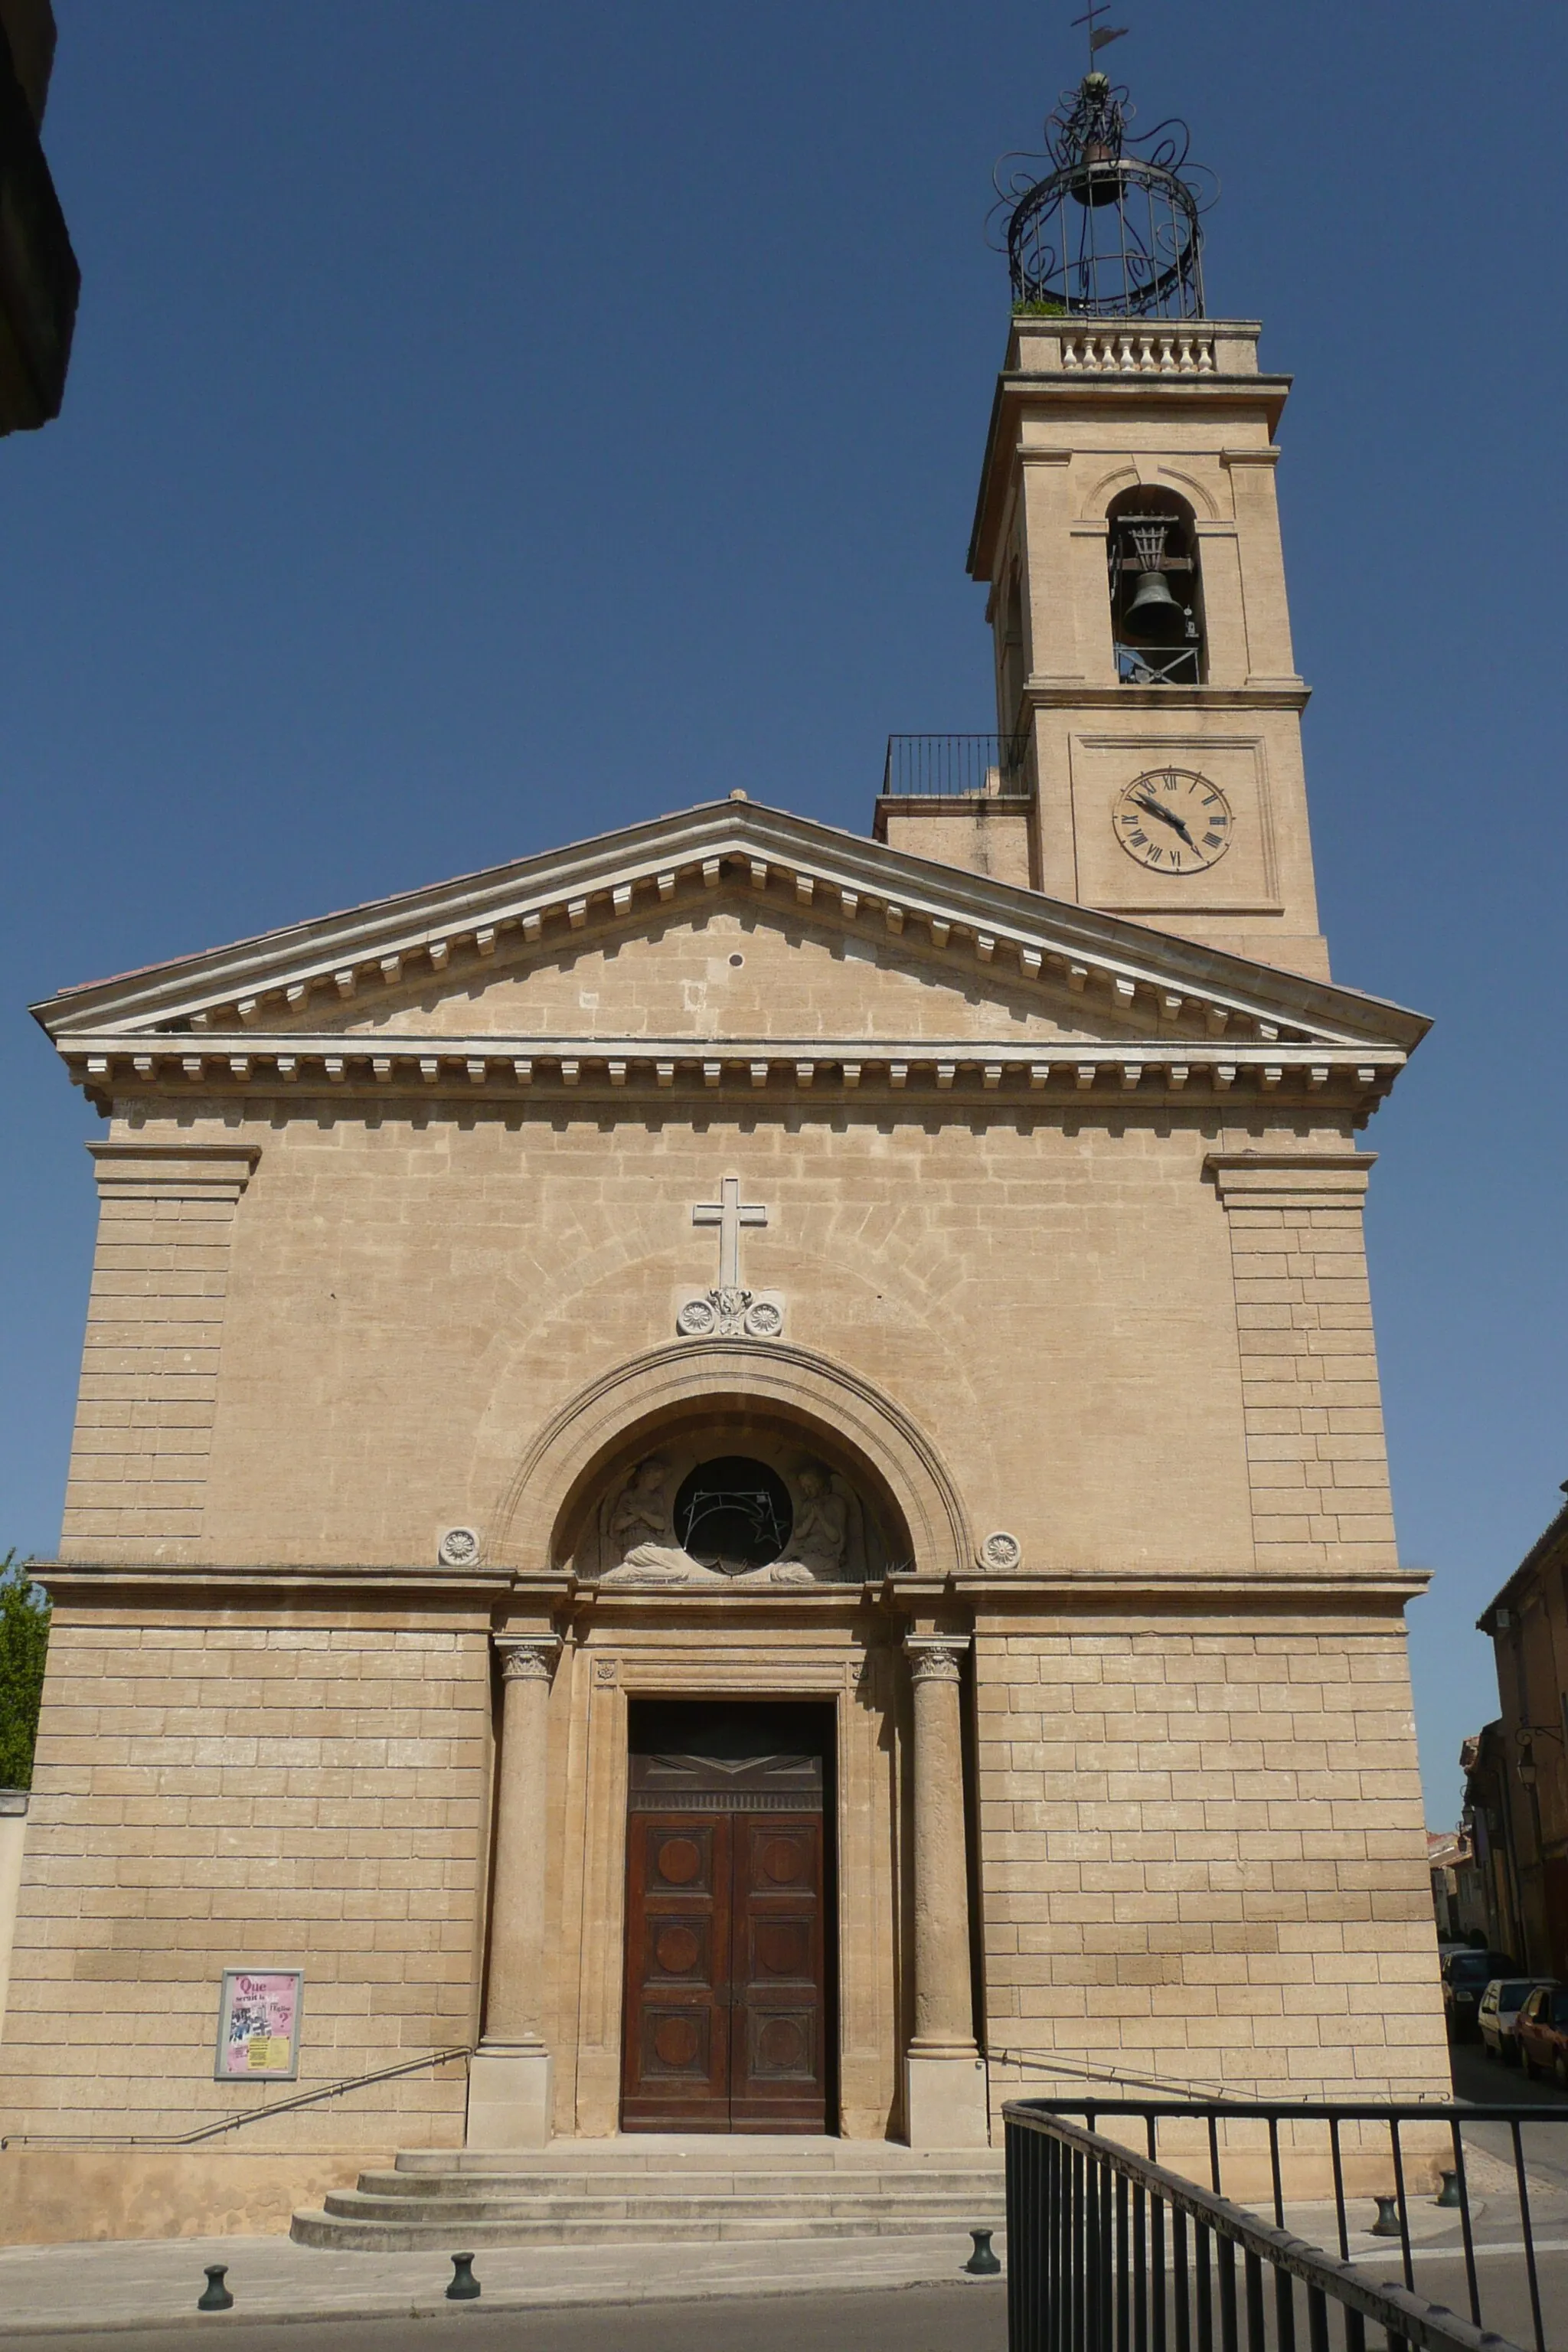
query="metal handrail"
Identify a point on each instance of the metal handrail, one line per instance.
(1085, 2269)
(1330, 2115)
(955, 767)
(1052, 2062)
(234, 2122)
(1379, 2111)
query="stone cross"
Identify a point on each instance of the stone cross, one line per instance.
(729, 1212)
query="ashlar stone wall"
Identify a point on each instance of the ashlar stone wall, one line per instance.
(294, 1787)
(1202, 1853)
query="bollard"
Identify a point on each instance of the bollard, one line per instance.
(1450, 2192)
(982, 2262)
(217, 2297)
(465, 2285)
(1387, 2222)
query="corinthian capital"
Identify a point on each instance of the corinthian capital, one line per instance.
(527, 1658)
(935, 1657)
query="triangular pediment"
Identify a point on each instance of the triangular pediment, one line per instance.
(728, 930)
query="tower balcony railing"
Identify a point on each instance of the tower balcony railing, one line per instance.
(1159, 665)
(956, 767)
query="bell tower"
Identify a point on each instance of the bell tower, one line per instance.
(1128, 535)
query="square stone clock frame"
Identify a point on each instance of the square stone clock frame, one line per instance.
(1246, 880)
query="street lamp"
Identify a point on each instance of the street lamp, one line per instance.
(1527, 1734)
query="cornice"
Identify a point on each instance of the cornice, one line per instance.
(165, 1584)
(1169, 701)
(185, 1071)
(1262, 1587)
(172, 1582)
(127, 1168)
(625, 879)
(1263, 1179)
(1543, 1553)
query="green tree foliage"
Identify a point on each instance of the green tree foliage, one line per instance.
(24, 1640)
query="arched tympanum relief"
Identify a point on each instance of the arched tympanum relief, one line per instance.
(730, 1502)
(732, 1394)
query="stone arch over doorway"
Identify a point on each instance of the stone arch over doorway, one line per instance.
(630, 1408)
(582, 1651)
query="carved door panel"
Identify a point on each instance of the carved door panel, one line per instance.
(726, 2011)
(676, 2064)
(777, 2069)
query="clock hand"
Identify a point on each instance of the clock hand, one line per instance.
(1166, 816)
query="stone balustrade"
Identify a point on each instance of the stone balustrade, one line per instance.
(1176, 350)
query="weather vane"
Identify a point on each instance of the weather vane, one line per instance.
(1100, 36)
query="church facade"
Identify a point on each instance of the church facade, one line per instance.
(731, 1479)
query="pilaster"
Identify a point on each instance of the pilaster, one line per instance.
(148, 1398)
(1317, 1462)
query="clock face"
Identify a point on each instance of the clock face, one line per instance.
(1172, 821)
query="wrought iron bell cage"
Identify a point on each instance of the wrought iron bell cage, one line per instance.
(1113, 230)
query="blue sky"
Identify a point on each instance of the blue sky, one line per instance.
(491, 423)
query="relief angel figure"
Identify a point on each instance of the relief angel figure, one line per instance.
(642, 1538)
(819, 1540)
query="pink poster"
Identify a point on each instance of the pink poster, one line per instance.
(258, 2025)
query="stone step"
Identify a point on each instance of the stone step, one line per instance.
(638, 2188)
(357, 2205)
(717, 2152)
(405, 2236)
(659, 2188)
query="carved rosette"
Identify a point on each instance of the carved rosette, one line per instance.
(1001, 1553)
(530, 1659)
(731, 1314)
(458, 1548)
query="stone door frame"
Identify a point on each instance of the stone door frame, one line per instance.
(671, 1652)
(824, 1641)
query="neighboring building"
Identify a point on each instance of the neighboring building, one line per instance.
(40, 280)
(1459, 1903)
(1489, 1827)
(1519, 1777)
(746, 1464)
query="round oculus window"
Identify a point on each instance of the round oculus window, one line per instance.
(733, 1512)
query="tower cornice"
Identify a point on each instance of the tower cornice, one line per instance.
(1173, 702)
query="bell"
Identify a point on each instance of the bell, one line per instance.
(1153, 614)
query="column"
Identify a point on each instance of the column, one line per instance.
(509, 2075)
(945, 2089)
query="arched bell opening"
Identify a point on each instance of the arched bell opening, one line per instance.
(718, 1491)
(1156, 589)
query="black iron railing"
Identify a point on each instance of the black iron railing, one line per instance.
(956, 767)
(237, 2120)
(1112, 2250)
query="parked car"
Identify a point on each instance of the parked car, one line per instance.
(1497, 2013)
(1465, 1976)
(1542, 2031)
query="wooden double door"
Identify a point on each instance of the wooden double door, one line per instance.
(726, 2016)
